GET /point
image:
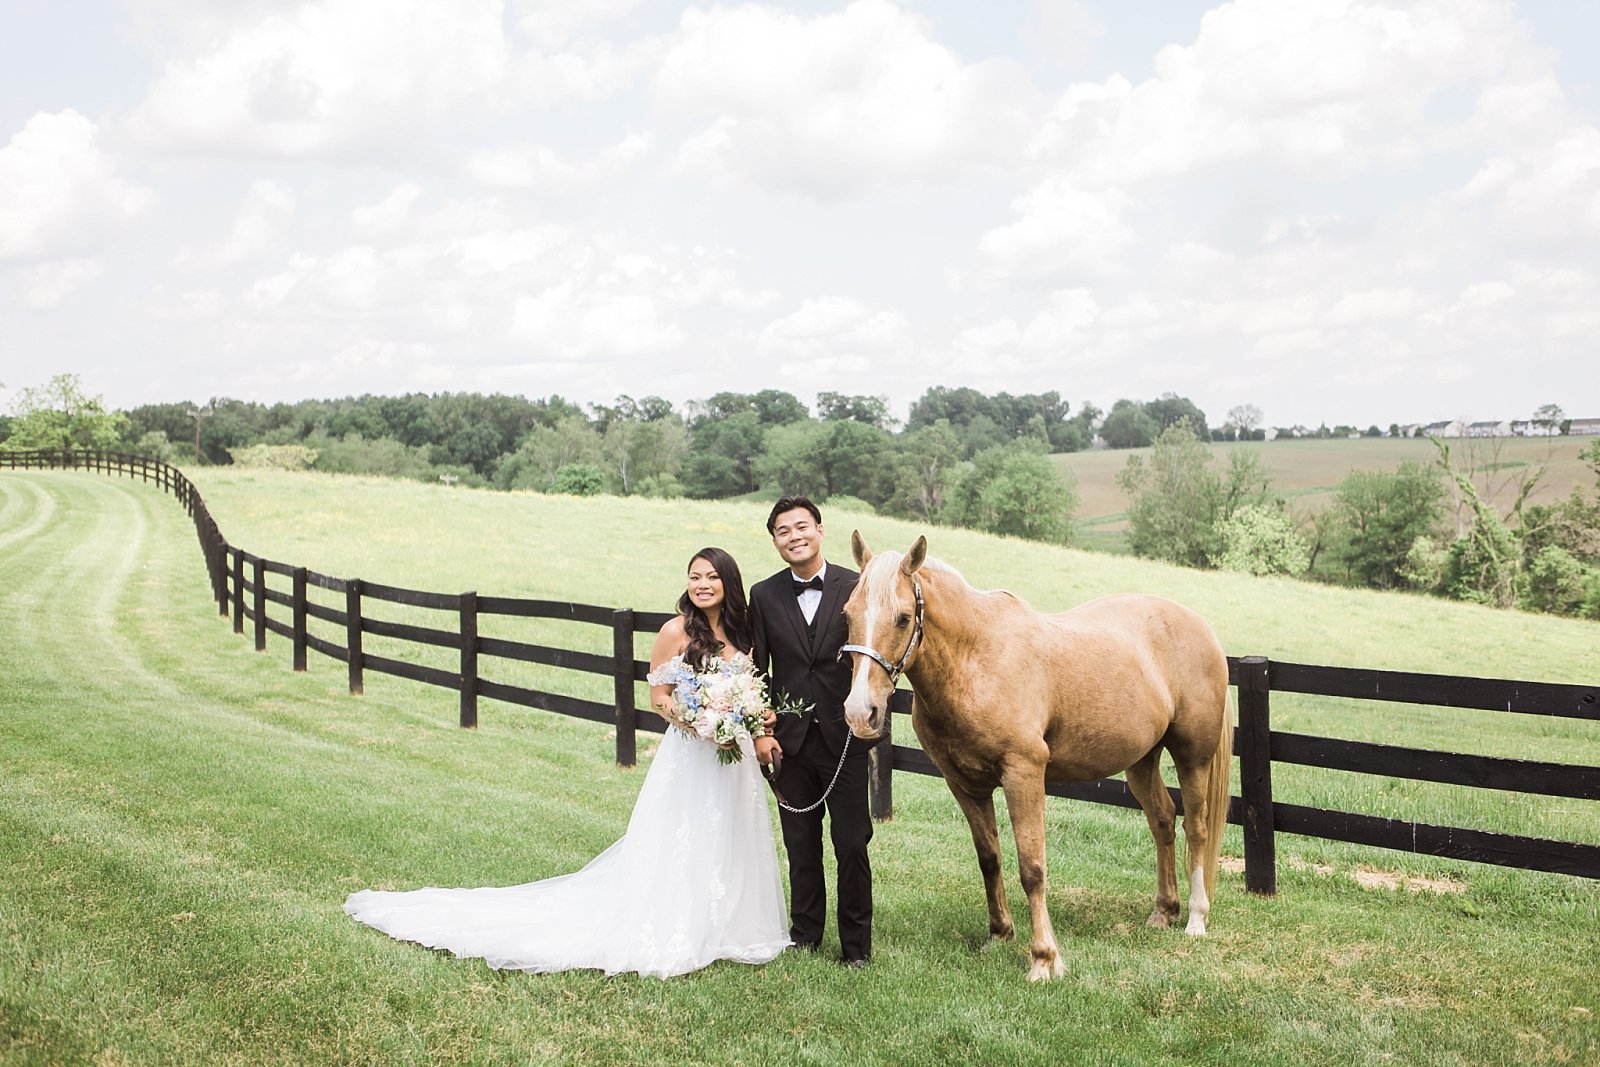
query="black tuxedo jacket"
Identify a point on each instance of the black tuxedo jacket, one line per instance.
(804, 666)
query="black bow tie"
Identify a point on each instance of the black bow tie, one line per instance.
(814, 583)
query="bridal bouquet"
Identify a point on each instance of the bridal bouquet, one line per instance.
(721, 703)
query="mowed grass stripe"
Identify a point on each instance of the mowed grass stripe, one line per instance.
(183, 845)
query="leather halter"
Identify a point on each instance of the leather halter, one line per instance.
(916, 638)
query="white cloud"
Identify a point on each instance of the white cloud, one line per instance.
(59, 193)
(553, 25)
(570, 322)
(839, 105)
(1061, 230)
(329, 77)
(49, 285)
(258, 227)
(835, 339)
(541, 169)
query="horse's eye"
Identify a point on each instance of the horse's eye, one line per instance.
(903, 621)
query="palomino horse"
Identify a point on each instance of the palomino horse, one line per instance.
(1004, 696)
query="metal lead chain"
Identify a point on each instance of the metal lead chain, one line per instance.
(836, 771)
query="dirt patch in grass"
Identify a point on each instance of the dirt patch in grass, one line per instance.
(1366, 876)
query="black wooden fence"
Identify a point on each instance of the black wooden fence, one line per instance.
(243, 586)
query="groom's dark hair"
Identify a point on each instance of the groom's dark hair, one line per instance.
(789, 503)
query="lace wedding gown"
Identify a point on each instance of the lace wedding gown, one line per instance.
(694, 880)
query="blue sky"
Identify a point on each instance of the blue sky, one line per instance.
(1336, 210)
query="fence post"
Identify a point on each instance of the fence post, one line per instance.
(259, 601)
(217, 549)
(469, 661)
(1255, 775)
(622, 678)
(238, 589)
(880, 769)
(352, 633)
(299, 618)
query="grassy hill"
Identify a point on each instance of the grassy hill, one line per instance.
(181, 818)
(1308, 471)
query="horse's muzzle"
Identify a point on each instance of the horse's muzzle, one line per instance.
(866, 727)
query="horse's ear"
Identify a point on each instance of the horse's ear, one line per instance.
(859, 549)
(915, 557)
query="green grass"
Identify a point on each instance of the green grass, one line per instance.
(181, 818)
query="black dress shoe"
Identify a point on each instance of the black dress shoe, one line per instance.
(857, 964)
(802, 946)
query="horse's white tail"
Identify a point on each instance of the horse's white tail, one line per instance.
(1218, 796)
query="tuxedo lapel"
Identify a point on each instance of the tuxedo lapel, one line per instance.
(832, 590)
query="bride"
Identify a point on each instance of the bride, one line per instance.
(695, 878)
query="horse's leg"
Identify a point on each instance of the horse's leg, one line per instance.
(979, 809)
(1194, 780)
(1145, 783)
(1024, 786)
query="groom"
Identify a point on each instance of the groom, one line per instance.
(799, 624)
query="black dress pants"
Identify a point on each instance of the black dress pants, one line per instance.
(805, 775)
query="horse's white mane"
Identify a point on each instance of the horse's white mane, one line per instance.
(934, 563)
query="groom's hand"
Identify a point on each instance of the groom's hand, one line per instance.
(766, 747)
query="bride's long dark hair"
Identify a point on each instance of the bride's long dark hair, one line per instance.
(703, 644)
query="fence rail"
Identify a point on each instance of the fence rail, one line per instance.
(239, 582)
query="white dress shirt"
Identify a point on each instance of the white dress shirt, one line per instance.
(811, 599)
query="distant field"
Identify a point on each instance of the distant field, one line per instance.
(1307, 472)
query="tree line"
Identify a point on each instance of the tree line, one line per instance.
(963, 457)
(1460, 526)
(1456, 527)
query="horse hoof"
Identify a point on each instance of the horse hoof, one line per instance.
(1159, 919)
(1196, 927)
(1043, 972)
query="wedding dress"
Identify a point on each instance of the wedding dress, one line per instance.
(694, 880)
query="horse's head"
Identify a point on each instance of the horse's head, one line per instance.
(885, 616)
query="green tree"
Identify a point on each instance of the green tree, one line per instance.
(774, 407)
(1015, 489)
(1383, 513)
(1260, 539)
(1558, 583)
(870, 410)
(1176, 501)
(60, 414)
(156, 445)
(925, 471)
(1129, 425)
(1244, 419)
(545, 450)
(795, 462)
(860, 460)
(1169, 409)
(641, 441)
(1485, 563)
(579, 479)
(723, 452)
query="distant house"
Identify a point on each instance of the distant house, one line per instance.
(1411, 429)
(1529, 428)
(1453, 428)
(1489, 429)
(1583, 426)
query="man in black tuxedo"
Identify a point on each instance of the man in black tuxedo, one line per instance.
(798, 619)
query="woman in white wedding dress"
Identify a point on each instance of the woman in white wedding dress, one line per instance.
(695, 878)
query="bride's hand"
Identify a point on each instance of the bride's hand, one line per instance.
(667, 708)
